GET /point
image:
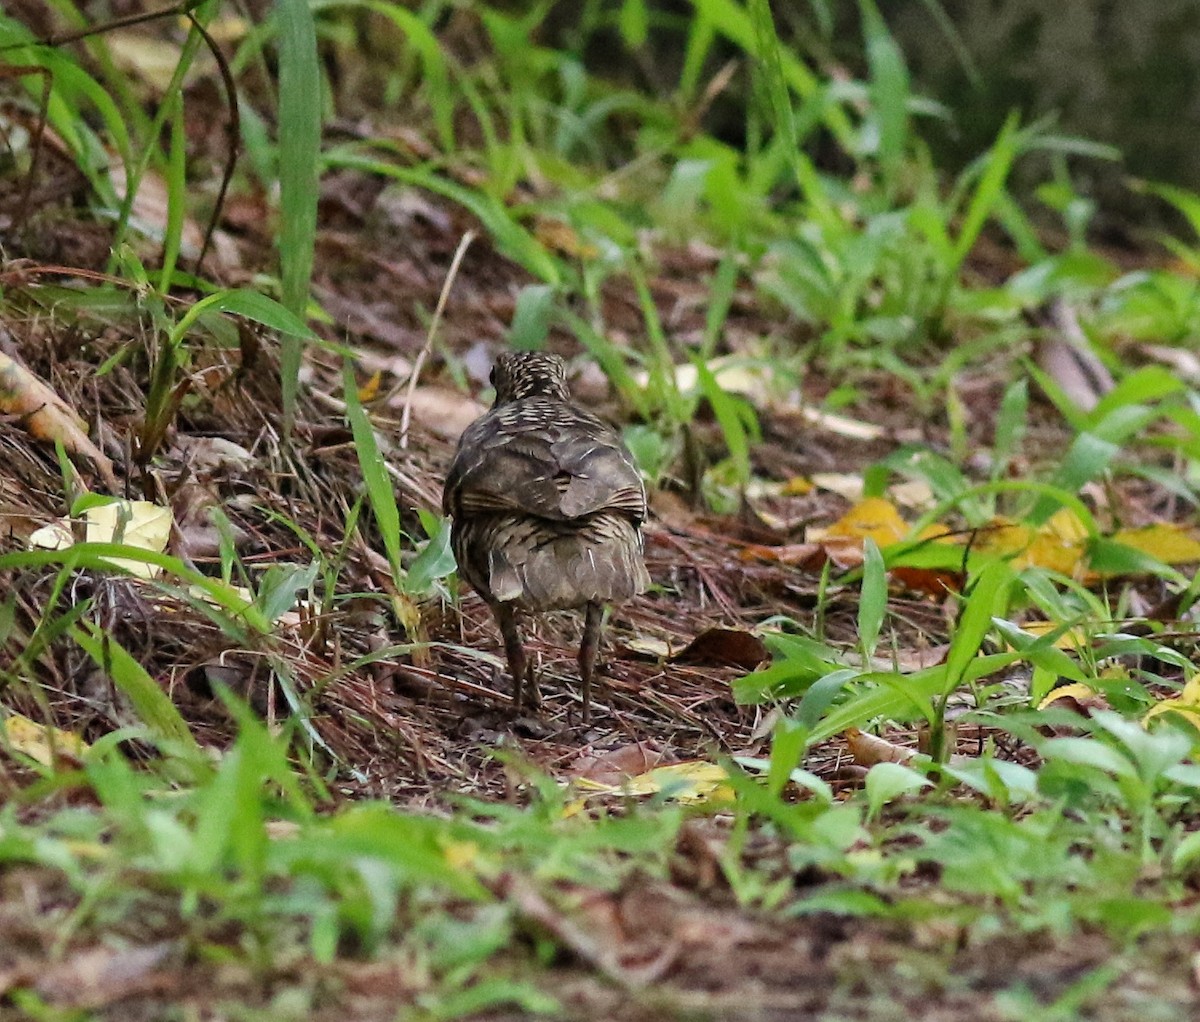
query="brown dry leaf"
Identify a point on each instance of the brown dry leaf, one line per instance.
(562, 238)
(101, 976)
(617, 765)
(1067, 358)
(1186, 364)
(912, 660)
(41, 742)
(150, 213)
(725, 647)
(444, 412)
(208, 453)
(152, 59)
(809, 556)
(48, 417)
(868, 750)
(1165, 541)
(930, 581)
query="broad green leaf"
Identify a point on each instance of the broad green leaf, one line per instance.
(888, 781)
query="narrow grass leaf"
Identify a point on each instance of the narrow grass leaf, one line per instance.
(299, 176)
(1010, 426)
(988, 598)
(176, 193)
(149, 701)
(380, 494)
(509, 237)
(531, 317)
(872, 603)
(728, 411)
(425, 42)
(889, 92)
(787, 746)
(755, 32)
(987, 193)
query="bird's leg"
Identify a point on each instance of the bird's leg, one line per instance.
(518, 663)
(588, 647)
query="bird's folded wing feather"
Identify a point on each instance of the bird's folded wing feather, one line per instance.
(567, 471)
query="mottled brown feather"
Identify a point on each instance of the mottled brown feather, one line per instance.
(547, 504)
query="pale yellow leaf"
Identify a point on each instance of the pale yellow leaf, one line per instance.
(1186, 704)
(1166, 542)
(851, 429)
(136, 523)
(40, 742)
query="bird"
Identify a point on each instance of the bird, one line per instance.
(546, 506)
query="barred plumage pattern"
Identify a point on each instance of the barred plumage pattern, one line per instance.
(547, 507)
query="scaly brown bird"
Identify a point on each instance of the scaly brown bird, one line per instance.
(548, 508)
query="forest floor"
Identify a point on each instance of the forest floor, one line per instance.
(428, 727)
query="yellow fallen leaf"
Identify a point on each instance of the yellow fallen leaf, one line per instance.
(40, 742)
(690, 782)
(461, 855)
(1078, 691)
(874, 517)
(1072, 638)
(798, 486)
(1185, 705)
(1057, 545)
(369, 391)
(1166, 542)
(563, 238)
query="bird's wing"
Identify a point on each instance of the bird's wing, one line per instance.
(551, 461)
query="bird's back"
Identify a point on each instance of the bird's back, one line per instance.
(547, 507)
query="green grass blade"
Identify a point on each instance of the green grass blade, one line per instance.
(380, 494)
(872, 603)
(988, 192)
(150, 702)
(889, 92)
(988, 598)
(299, 176)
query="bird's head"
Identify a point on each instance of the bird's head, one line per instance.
(521, 374)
